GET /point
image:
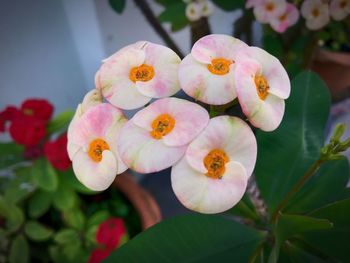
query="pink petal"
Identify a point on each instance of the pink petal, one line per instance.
(200, 193)
(144, 154)
(199, 83)
(216, 46)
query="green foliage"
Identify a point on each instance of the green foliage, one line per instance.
(229, 5)
(44, 175)
(39, 203)
(175, 14)
(192, 238)
(117, 5)
(19, 251)
(36, 231)
(60, 122)
(10, 154)
(285, 154)
(74, 218)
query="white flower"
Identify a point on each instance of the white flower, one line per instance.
(194, 11)
(316, 14)
(339, 9)
(269, 9)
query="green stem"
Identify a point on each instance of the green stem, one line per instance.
(309, 173)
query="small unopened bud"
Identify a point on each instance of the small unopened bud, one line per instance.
(336, 157)
(338, 132)
(343, 146)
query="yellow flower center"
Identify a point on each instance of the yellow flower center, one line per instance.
(283, 17)
(215, 163)
(162, 125)
(270, 7)
(141, 73)
(262, 87)
(315, 12)
(96, 148)
(219, 66)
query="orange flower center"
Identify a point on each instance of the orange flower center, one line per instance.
(283, 17)
(343, 4)
(162, 125)
(315, 12)
(215, 163)
(141, 73)
(219, 66)
(262, 87)
(96, 148)
(270, 7)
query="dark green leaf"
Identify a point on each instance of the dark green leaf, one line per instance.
(244, 209)
(117, 5)
(65, 236)
(70, 180)
(56, 254)
(64, 198)
(286, 153)
(60, 122)
(326, 186)
(191, 238)
(98, 218)
(20, 186)
(44, 175)
(167, 2)
(36, 231)
(10, 154)
(19, 251)
(333, 242)
(229, 5)
(272, 43)
(39, 204)
(13, 214)
(175, 14)
(74, 218)
(291, 225)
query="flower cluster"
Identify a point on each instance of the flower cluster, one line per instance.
(196, 9)
(211, 159)
(281, 14)
(110, 235)
(27, 126)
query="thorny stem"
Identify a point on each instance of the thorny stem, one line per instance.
(154, 22)
(309, 173)
(199, 29)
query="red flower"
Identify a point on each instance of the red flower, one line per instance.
(27, 130)
(7, 115)
(110, 232)
(98, 255)
(38, 108)
(56, 153)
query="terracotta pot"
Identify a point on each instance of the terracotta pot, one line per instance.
(143, 202)
(334, 69)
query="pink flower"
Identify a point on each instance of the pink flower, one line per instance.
(92, 146)
(207, 73)
(262, 86)
(269, 9)
(134, 75)
(339, 9)
(157, 136)
(287, 19)
(212, 176)
(316, 14)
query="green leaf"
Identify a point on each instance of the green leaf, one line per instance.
(74, 218)
(20, 186)
(292, 225)
(64, 198)
(71, 180)
(39, 204)
(36, 231)
(229, 5)
(272, 43)
(166, 2)
(65, 236)
(19, 250)
(56, 254)
(286, 153)
(326, 186)
(191, 238)
(13, 214)
(10, 154)
(117, 5)
(44, 175)
(60, 122)
(98, 217)
(333, 242)
(244, 209)
(175, 14)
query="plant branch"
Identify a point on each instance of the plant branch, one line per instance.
(199, 29)
(154, 22)
(308, 174)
